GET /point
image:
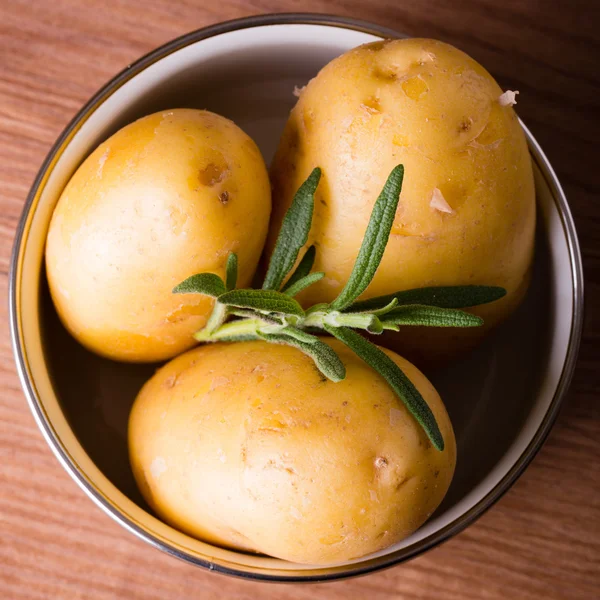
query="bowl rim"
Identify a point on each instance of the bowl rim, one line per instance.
(95, 495)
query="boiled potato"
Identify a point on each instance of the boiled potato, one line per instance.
(248, 446)
(467, 208)
(166, 197)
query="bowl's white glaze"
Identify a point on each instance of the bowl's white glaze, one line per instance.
(502, 400)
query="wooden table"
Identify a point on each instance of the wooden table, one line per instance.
(542, 540)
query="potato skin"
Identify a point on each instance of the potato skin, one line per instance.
(166, 197)
(430, 107)
(246, 445)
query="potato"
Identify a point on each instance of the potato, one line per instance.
(166, 197)
(467, 208)
(247, 445)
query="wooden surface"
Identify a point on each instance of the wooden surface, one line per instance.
(542, 540)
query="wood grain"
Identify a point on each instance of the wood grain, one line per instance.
(542, 540)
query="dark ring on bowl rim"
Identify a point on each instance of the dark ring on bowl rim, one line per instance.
(325, 573)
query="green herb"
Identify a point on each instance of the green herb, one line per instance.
(460, 296)
(231, 271)
(273, 315)
(303, 283)
(264, 301)
(325, 358)
(203, 283)
(294, 232)
(430, 316)
(374, 242)
(303, 268)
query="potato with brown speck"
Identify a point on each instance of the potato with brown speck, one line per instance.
(166, 197)
(245, 445)
(467, 210)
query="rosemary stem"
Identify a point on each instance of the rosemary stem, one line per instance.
(231, 329)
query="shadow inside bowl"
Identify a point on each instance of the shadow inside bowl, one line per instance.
(96, 395)
(490, 394)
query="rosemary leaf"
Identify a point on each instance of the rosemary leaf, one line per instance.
(294, 232)
(374, 242)
(202, 283)
(325, 358)
(431, 316)
(299, 335)
(458, 296)
(267, 301)
(384, 309)
(232, 271)
(303, 283)
(248, 337)
(303, 268)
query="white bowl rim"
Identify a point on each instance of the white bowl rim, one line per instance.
(372, 565)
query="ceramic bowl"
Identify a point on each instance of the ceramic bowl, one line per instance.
(502, 401)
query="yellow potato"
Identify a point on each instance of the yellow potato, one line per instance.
(467, 208)
(166, 197)
(247, 445)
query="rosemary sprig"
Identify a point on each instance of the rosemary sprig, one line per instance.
(272, 314)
